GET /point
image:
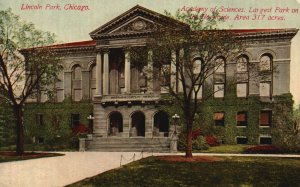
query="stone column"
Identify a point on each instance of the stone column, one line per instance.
(127, 72)
(173, 71)
(106, 72)
(150, 71)
(98, 74)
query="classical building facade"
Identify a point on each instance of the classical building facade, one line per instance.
(126, 115)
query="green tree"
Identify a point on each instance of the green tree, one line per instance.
(27, 66)
(196, 52)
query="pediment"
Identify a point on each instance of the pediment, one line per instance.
(138, 20)
(136, 25)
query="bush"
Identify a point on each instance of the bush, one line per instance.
(200, 143)
(263, 149)
(211, 140)
(196, 133)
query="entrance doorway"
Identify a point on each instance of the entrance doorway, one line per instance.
(161, 124)
(115, 124)
(138, 124)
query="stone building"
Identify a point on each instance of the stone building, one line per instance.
(125, 112)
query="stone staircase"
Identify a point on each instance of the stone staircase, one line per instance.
(134, 144)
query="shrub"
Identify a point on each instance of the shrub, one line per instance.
(263, 149)
(200, 143)
(196, 133)
(211, 140)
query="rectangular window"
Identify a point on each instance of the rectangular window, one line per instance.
(219, 90)
(241, 140)
(265, 140)
(265, 118)
(75, 120)
(219, 118)
(39, 119)
(265, 89)
(241, 89)
(241, 119)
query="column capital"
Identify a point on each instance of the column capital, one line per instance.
(104, 50)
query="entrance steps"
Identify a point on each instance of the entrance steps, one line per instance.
(133, 144)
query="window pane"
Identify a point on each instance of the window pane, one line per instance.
(265, 140)
(241, 119)
(241, 140)
(220, 66)
(241, 90)
(77, 73)
(241, 64)
(197, 66)
(264, 89)
(219, 118)
(265, 118)
(265, 63)
(219, 90)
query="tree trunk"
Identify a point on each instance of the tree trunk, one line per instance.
(189, 141)
(18, 111)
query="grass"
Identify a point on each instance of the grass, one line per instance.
(226, 149)
(11, 156)
(231, 171)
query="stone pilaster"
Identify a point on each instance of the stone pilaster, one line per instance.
(106, 72)
(99, 76)
(127, 72)
(150, 71)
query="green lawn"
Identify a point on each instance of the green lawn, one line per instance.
(10, 156)
(226, 149)
(232, 171)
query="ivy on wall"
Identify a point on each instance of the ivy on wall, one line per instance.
(56, 120)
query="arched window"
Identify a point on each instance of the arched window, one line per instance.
(265, 62)
(220, 65)
(93, 72)
(197, 66)
(242, 63)
(76, 73)
(76, 83)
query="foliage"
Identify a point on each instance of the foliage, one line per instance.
(211, 140)
(9, 156)
(200, 143)
(56, 129)
(27, 66)
(232, 171)
(263, 149)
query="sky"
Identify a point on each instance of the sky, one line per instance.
(74, 25)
